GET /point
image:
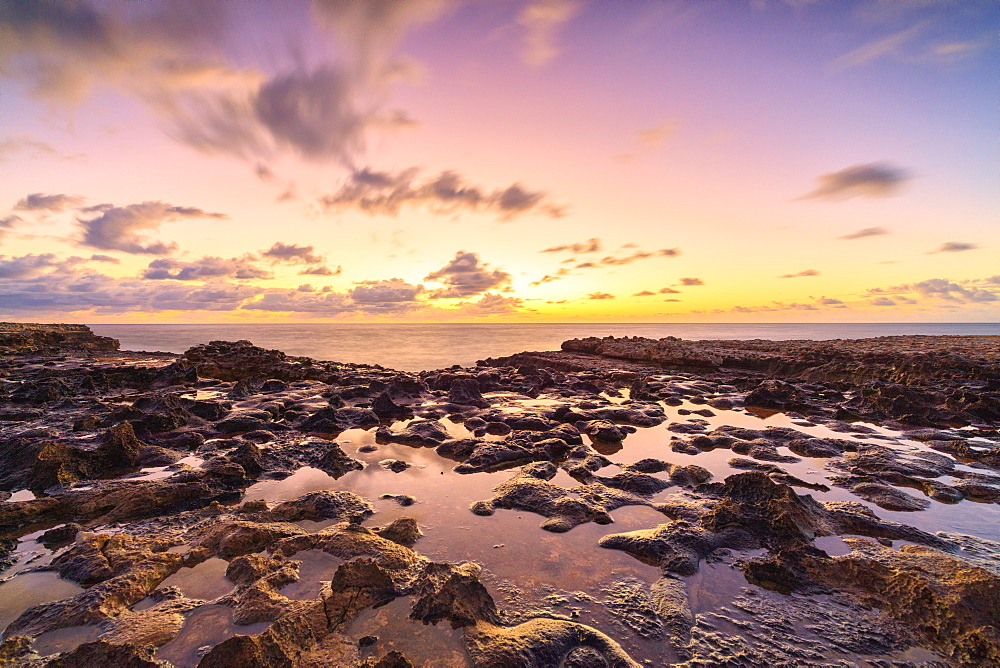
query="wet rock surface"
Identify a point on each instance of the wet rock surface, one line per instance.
(623, 502)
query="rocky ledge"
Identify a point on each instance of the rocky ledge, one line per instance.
(25, 338)
(618, 503)
(917, 380)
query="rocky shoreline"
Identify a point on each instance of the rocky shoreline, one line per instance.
(620, 502)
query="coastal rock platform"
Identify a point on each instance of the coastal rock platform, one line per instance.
(621, 502)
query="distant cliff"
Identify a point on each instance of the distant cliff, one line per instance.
(20, 338)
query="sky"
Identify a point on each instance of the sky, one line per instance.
(499, 161)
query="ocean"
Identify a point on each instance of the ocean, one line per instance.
(409, 347)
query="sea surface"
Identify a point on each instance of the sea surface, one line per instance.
(410, 347)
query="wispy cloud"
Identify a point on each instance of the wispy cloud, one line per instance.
(25, 146)
(50, 203)
(945, 289)
(651, 138)
(611, 260)
(874, 179)
(321, 270)
(600, 295)
(292, 254)
(391, 291)
(657, 135)
(490, 304)
(888, 46)
(972, 291)
(866, 232)
(806, 272)
(589, 246)
(607, 261)
(953, 247)
(177, 57)
(123, 228)
(541, 20)
(207, 268)
(8, 223)
(691, 281)
(386, 193)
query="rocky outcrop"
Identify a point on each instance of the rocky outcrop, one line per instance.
(137, 470)
(35, 338)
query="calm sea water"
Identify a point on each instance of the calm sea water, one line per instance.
(419, 347)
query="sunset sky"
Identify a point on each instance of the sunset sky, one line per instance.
(495, 161)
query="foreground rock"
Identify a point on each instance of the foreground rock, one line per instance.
(196, 509)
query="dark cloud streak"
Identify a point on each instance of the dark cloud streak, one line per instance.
(387, 193)
(875, 179)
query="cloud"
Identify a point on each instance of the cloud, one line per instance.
(53, 203)
(105, 258)
(830, 301)
(807, 272)
(875, 179)
(945, 289)
(320, 113)
(390, 291)
(692, 281)
(65, 49)
(882, 301)
(464, 276)
(11, 145)
(120, 228)
(644, 293)
(669, 291)
(489, 304)
(321, 270)
(173, 56)
(953, 247)
(878, 49)
(372, 30)
(600, 295)
(541, 20)
(392, 296)
(548, 278)
(659, 134)
(891, 290)
(589, 246)
(8, 223)
(206, 268)
(46, 283)
(629, 259)
(292, 254)
(26, 266)
(386, 193)
(608, 261)
(317, 303)
(866, 232)
(971, 291)
(313, 113)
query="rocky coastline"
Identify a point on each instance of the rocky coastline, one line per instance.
(619, 502)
